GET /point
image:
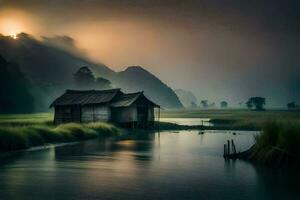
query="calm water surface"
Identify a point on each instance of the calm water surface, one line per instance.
(152, 166)
(188, 121)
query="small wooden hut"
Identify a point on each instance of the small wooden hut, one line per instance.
(133, 109)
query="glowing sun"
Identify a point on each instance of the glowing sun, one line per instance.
(14, 35)
(11, 27)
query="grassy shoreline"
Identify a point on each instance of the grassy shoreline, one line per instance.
(26, 136)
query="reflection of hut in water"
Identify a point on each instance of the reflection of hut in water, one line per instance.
(133, 109)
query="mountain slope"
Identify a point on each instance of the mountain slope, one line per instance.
(187, 98)
(135, 78)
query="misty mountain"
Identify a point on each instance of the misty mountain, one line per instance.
(44, 63)
(187, 98)
(135, 78)
(50, 65)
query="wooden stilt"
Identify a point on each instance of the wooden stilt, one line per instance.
(233, 147)
(230, 154)
(228, 147)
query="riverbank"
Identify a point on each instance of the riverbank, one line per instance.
(27, 136)
(278, 145)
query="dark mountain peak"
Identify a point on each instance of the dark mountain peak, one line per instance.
(135, 69)
(136, 78)
(139, 71)
(23, 35)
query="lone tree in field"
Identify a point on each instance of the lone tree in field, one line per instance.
(292, 105)
(204, 103)
(256, 102)
(223, 104)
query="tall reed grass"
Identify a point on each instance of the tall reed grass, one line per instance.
(22, 137)
(279, 142)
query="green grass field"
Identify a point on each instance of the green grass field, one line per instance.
(236, 118)
(26, 119)
(232, 117)
(231, 114)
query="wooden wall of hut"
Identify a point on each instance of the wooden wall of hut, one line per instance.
(65, 114)
(95, 113)
(124, 114)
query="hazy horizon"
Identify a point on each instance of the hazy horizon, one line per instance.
(218, 50)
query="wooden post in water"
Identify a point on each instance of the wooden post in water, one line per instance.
(225, 149)
(233, 147)
(228, 147)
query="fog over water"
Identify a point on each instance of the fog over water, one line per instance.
(220, 50)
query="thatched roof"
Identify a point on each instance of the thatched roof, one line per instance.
(126, 100)
(85, 97)
(113, 97)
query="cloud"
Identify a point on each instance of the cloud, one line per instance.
(218, 49)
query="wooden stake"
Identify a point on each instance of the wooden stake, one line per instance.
(233, 147)
(228, 147)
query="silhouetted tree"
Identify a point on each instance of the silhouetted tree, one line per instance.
(257, 102)
(292, 105)
(224, 104)
(102, 83)
(84, 78)
(15, 89)
(204, 103)
(249, 104)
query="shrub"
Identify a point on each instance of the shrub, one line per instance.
(76, 131)
(103, 129)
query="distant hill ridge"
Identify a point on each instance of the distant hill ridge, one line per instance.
(187, 98)
(45, 63)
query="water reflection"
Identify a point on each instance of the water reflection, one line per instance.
(188, 121)
(182, 165)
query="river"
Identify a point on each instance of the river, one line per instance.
(166, 165)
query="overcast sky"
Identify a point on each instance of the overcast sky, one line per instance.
(219, 50)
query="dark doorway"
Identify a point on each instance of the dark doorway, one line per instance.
(142, 115)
